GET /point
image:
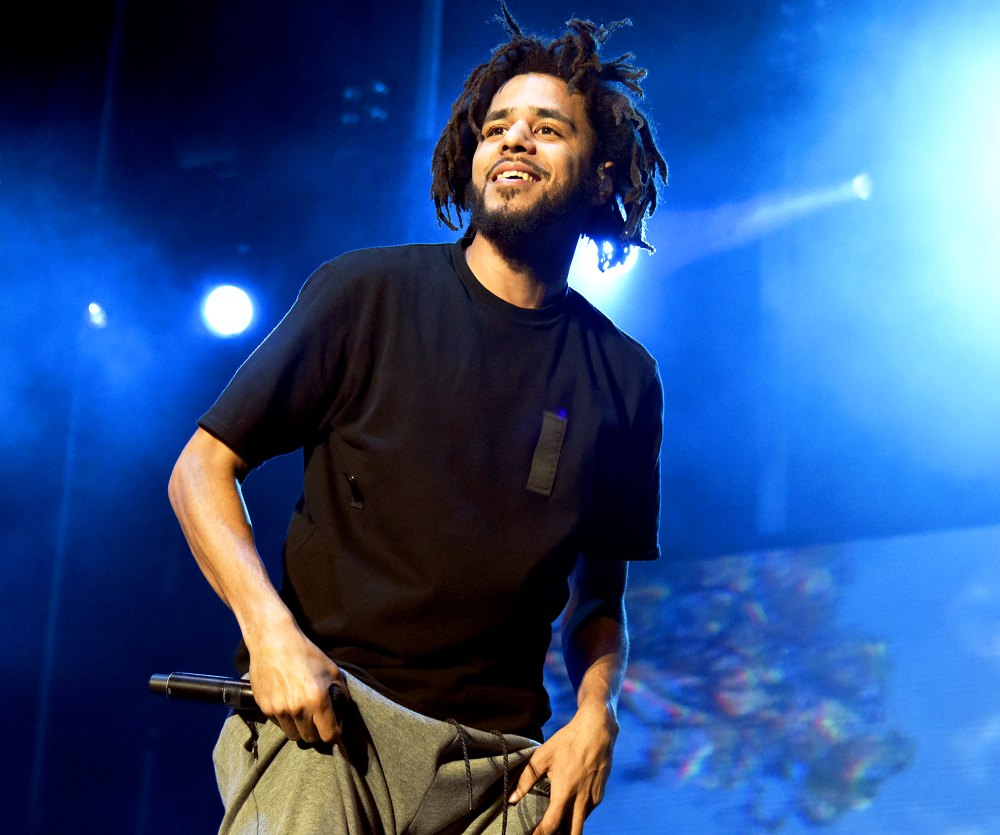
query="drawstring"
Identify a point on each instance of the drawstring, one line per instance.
(506, 779)
(251, 744)
(463, 736)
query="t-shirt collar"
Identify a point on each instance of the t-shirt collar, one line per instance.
(549, 313)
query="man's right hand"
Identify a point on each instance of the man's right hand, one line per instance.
(291, 680)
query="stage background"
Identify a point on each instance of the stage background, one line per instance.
(823, 305)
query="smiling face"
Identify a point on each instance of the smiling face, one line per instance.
(533, 162)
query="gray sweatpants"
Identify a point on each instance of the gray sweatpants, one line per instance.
(396, 772)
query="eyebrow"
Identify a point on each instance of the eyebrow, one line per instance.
(543, 112)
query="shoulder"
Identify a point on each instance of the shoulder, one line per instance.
(362, 277)
(388, 261)
(623, 350)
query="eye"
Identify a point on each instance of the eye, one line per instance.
(494, 130)
(548, 130)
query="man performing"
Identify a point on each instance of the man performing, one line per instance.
(481, 451)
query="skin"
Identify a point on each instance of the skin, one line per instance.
(533, 121)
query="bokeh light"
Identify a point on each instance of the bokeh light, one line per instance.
(227, 310)
(97, 315)
(862, 186)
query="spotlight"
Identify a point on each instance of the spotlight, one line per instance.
(862, 186)
(227, 310)
(96, 315)
(585, 276)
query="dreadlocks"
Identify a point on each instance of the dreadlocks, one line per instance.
(623, 135)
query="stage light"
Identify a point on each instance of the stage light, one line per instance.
(599, 288)
(862, 186)
(227, 310)
(96, 315)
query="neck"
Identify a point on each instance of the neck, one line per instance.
(535, 276)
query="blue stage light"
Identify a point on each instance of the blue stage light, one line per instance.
(227, 310)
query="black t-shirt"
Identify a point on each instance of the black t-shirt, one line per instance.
(460, 453)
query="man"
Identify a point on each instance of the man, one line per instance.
(481, 448)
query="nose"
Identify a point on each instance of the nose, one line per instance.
(519, 138)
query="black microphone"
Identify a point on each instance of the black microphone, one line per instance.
(231, 692)
(235, 693)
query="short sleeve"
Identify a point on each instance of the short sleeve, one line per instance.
(282, 396)
(627, 523)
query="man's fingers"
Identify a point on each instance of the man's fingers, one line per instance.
(319, 720)
(581, 810)
(314, 719)
(307, 731)
(531, 774)
(330, 721)
(327, 724)
(552, 819)
(288, 727)
(319, 727)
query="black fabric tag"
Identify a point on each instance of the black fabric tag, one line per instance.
(546, 457)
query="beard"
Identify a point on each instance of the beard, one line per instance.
(515, 230)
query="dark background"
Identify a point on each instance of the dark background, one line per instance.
(830, 364)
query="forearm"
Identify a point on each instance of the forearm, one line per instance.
(596, 655)
(291, 676)
(205, 494)
(595, 633)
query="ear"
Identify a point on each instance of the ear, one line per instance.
(605, 184)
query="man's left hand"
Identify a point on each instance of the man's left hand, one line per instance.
(577, 761)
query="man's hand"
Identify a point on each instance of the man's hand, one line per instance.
(577, 761)
(291, 680)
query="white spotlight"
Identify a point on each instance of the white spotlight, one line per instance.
(862, 186)
(97, 315)
(227, 310)
(598, 287)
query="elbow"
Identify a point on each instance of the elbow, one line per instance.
(177, 481)
(188, 471)
(203, 465)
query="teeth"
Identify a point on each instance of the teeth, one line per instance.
(515, 175)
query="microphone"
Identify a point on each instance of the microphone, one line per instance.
(231, 692)
(235, 693)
